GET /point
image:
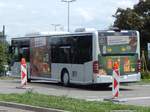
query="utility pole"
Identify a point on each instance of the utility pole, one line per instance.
(3, 30)
(3, 36)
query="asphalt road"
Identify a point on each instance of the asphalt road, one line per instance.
(133, 94)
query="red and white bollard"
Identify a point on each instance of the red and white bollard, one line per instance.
(115, 85)
(116, 78)
(23, 72)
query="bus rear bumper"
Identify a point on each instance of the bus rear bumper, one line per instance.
(123, 78)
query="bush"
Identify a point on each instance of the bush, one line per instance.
(145, 75)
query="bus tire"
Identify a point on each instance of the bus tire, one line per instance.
(65, 79)
(28, 80)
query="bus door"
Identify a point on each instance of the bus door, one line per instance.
(81, 55)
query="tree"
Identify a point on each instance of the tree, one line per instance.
(3, 57)
(127, 19)
(137, 18)
(143, 10)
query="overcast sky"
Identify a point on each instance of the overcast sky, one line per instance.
(26, 16)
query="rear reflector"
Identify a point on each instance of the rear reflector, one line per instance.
(139, 65)
(95, 67)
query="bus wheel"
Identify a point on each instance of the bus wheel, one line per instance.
(28, 80)
(28, 77)
(65, 78)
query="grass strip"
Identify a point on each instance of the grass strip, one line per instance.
(8, 78)
(69, 104)
(145, 81)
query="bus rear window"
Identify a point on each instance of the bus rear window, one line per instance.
(117, 44)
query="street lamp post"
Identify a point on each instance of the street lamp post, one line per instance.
(55, 26)
(68, 6)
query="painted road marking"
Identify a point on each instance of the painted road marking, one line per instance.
(120, 99)
(137, 98)
(145, 85)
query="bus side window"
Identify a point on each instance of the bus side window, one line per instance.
(64, 54)
(55, 54)
(75, 50)
(82, 49)
(24, 53)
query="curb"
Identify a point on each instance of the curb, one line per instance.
(28, 107)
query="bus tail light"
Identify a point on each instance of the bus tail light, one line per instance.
(139, 65)
(95, 67)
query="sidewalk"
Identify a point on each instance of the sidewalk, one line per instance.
(8, 109)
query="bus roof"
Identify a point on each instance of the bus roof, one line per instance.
(55, 34)
(114, 33)
(52, 34)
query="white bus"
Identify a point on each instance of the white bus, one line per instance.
(81, 57)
